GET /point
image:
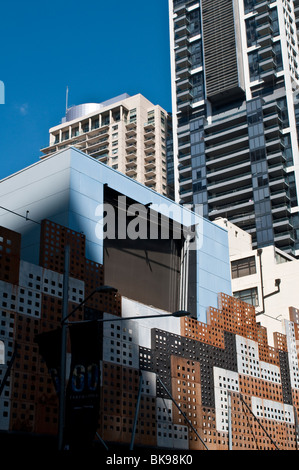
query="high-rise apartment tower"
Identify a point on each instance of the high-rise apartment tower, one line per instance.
(128, 133)
(235, 113)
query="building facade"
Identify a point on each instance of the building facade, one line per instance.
(266, 278)
(235, 116)
(183, 372)
(159, 251)
(130, 134)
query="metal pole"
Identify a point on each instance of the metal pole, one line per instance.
(296, 427)
(258, 421)
(8, 370)
(229, 400)
(136, 411)
(182, 412)
(63, 348)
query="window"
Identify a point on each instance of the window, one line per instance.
(197, 87)
(249, 296)
(65, 135)
(243, 267)
(253, 60)
(251, 32)
(95, 123)
(133, 115)
(2, 353)
(151, 117)
(75, 131)
(194, 22)
(85, 127)
(196, 54)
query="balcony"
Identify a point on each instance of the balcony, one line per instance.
(149, 158)
(229, 171)
(181, 30)
(185, 180)
(186, 192)
(276, 158)
(227, 147)
(131, 125)
(182, 52)
(265, 28)
(151, 172)
(99, 151)
(149, 126)
(99, 131)
(232, 195)
(149, 149)
(266, 39)
(130, 163)
(282, 224)
(183, 84)
(131, 171)
(183, 105)
(184, 95)
(284, 239)
(131, 148)
(242, 206)
(279, 197)
(150, 164)
(150, 181)
(220, 135)
(101, 158)
(149, 132)
(261, 5)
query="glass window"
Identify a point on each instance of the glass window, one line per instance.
(65, 135)
(197, 87)
(250, 296)
(85, 127)
(278, 56)
(243, 267)
(95, 123)
(196, 54)
(2, 353)
(251, 32)
(249, 5)
(194, 18)
(75, 131)
(253, 66)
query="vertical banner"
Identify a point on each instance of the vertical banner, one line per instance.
(49, 344)
(83, 389)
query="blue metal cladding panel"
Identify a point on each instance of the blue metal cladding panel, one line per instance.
(71, 184)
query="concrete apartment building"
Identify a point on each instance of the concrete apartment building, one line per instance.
(266, 278)
(235, 113)
(128, 133)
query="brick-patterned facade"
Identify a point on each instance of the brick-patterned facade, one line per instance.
(200, 367)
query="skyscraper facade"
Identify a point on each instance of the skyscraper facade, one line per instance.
(235, 114)
(127, 133)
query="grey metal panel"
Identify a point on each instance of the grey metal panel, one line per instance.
(82, 110)
(220, 49)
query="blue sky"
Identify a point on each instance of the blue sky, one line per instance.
(99, 49)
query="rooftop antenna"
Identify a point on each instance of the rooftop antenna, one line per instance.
(67, 97)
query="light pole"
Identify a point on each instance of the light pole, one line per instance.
(64, 325)
(177, 314)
